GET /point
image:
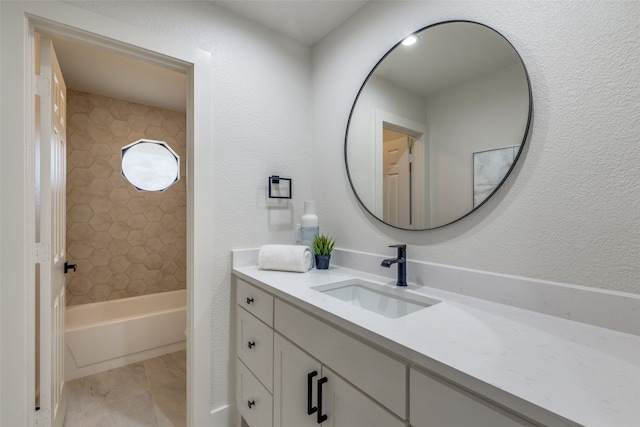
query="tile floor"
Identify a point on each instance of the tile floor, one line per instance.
(151, 393)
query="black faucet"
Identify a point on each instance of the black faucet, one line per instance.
(401, 260)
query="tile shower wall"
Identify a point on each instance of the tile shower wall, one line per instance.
(125, 242)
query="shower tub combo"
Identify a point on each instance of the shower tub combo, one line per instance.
(110, 334)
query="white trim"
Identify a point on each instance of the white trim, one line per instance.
(17, 258)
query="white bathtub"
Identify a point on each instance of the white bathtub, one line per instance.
(110, 334)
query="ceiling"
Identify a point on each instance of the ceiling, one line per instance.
(99, 71)
(446, 56)
(306, 21)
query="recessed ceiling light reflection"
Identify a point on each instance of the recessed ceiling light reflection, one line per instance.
(410, 40)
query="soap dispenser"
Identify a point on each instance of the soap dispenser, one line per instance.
(309, 224)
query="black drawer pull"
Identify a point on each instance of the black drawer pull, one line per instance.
(310, 409)
(321, 417)
(251, 403)
(249, 300)
(251, 344)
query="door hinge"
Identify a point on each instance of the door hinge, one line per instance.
(43, 85)
(42, 252)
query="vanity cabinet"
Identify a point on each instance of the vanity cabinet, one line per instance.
(254, 350)
(436, 403)
(377, 374)
(256, 301)
(307, 370)
(255, 347)
(294, 369)
(308, 393)
(255, 403)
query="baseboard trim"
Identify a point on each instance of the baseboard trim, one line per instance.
(223, 416)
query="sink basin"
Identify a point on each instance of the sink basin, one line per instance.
(380, 299)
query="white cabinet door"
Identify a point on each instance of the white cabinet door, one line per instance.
(377, 374)
(293, 373)
(346, 406)
(434, 403)
(306, 392)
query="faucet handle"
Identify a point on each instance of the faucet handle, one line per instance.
(402, 249)
(399, 246)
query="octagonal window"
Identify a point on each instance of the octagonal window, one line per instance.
(150, 165)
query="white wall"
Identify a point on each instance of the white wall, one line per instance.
(260, 119)
(570, 210)
(463, 120)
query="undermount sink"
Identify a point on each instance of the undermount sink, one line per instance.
(380, 299)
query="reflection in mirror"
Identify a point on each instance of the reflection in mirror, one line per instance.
(438, 125)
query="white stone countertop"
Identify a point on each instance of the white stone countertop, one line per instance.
(552, 370)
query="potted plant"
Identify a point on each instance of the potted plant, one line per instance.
(322, 248)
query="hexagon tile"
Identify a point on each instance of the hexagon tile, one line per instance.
(125, 242)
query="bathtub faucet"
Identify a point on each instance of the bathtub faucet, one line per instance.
(401, 260)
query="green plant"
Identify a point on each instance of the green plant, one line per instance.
(323, 244)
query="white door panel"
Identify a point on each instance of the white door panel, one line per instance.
(52, 245)
(396, 183)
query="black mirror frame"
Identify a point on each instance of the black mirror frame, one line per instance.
(515, 161)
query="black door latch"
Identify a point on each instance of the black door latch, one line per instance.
(68, 267)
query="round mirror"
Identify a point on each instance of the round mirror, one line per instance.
(438, 125)
(150, 165)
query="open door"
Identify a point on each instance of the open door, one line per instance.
(51, 248)
(396, 186)
(402, 182)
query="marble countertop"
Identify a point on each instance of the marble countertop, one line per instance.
(552, 370)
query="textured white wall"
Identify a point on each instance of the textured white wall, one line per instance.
(485, 113)
(570, 211)
(260, 120)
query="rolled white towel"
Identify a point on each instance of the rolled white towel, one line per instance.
(296, 258)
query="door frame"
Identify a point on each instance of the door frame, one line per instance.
(19, 22)
(420, 133)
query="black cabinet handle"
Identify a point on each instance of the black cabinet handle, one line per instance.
(251, 344)
(249, 300)
(321, 417)
(310, 409)
(250, 403)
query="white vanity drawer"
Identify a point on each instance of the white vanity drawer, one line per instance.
(377, 374)
(254, 401)
(255, 347)
(255, 301)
